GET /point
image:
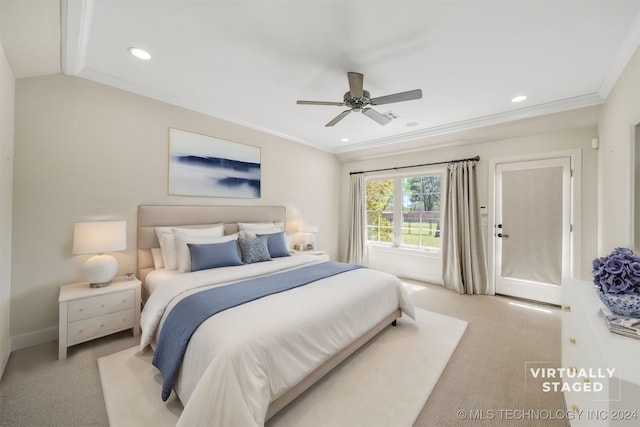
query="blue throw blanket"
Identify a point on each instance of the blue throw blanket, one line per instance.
(188, 314)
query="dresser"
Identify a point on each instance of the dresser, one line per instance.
(87, 313)
(601, 381)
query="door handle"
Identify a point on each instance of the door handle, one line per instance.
(502, 235)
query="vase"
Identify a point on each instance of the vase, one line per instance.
(621, 304)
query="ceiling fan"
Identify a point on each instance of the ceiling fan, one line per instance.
(358, 99)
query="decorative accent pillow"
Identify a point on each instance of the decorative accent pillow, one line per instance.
(254, 250)
(213, 255)
(276, 244)
(184, 256)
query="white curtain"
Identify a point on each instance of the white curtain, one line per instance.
(464, 262)
(357, 233)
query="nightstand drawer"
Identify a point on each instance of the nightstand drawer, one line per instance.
(88, 329)
(99, 305)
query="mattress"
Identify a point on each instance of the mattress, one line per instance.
(240, 360)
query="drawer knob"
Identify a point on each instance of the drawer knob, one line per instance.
(81, 331)
(101, 325)
(587, 380)
(82, 309)
(572, 340)
(575, 408)
(573, 369)
(102, 306)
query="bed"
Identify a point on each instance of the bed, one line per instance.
(244, 364)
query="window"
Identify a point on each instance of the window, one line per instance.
(380, 210)
(405, 211)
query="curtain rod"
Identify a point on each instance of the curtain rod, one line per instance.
(476, 158)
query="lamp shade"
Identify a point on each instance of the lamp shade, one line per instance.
(309, 228)
(309, 231)
(99, 237)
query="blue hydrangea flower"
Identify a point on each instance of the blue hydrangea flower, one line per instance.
(618, 272)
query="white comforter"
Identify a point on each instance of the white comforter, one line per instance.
(241, 359)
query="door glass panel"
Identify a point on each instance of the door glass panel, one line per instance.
(532, 220)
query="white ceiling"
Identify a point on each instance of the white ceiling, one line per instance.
(249, 61)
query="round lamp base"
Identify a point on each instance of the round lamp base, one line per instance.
(99, 270)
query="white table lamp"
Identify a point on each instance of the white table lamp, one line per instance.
(98, 238)
(309, 236)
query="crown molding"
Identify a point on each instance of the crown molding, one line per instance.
(127, 86)
(479, 122)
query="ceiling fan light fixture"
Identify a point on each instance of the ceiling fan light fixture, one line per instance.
(358, 101)
(140, 53)
(518, 98)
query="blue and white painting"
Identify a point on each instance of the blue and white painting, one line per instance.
(201, 165)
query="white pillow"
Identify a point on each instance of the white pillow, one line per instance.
(242, 226)
(183, 237)
(168, 245)
(251, 234)
(158, 262)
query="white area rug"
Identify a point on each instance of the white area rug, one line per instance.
(386, 383)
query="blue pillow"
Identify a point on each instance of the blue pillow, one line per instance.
(254, 250)
(213, 255)
(276, 244)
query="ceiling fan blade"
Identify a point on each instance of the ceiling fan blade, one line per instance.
(397, 97)
(373, 114)
(356, 82)
(337, 118)
(319, 103)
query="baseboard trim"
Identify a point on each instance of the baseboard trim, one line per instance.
(421, 278)
(4, 361)
(18, 342)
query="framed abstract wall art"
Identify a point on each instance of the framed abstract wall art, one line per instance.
(202, 165)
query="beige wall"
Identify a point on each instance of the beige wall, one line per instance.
(86, 151)
(7, 86)
(606, 220)
(570, 139)
(619, 115)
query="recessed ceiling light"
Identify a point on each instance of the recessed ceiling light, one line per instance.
(519, 98)
(140, 53)
(345, 140)
(411, 124)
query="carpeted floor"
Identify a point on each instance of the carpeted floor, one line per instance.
(384, 383)
(485, 379)
(488, 378)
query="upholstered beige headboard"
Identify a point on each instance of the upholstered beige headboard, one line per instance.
(150, 216)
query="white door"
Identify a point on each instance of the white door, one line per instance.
(532, 229)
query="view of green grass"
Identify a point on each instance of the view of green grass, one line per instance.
(412, 231)
(411, 234)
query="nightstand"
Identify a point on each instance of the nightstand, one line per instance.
(87, 313)
(322, 254)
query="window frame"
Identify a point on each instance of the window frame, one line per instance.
(398, 220)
